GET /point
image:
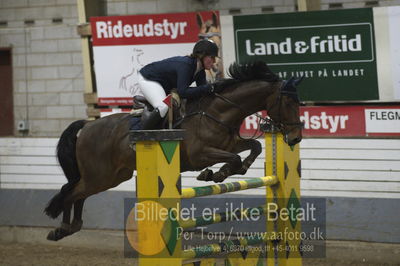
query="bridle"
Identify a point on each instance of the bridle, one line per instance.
(208, 35)
(277, 124)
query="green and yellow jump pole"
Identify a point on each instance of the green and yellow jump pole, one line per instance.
(158, 190)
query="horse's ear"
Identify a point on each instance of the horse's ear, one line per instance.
(298, 81)
(290, 81)
(289, 86)
(215, 19)
(199, 19)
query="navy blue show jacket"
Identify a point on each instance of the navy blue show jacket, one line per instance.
(178, 72)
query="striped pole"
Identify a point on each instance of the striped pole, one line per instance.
(195, 192)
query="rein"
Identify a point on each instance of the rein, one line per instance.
(202, 113)
(265, 121)
(236, 130)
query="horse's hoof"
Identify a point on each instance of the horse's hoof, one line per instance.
(57, 234)
(76, 226)
(218, 178)
(51, 236)
(242, 171)
(206, 175)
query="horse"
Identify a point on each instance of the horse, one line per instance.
(97, 155)
(211, 30)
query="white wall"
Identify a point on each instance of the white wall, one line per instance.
(330, 167)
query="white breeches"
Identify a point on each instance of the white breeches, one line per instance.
(154, 94)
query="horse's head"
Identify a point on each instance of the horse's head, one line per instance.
(254, 87)
(283, 109)
(211, 30)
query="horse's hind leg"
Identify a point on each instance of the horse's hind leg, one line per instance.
(67, 228)
(77, 222)
(64, 229)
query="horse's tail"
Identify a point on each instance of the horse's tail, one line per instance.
(66, 154)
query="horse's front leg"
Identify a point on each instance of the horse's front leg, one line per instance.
(211, 156)
(255, 149)
(243, 145)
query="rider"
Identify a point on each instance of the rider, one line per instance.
(157, 79)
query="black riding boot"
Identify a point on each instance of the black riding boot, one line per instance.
(150, 120)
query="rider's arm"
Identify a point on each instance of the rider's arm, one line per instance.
(192, 92)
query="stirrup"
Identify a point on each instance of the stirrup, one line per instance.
(139, 102)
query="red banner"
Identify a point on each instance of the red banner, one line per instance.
(332, 121)
(122, 45)
(341, 121)
(147, 29)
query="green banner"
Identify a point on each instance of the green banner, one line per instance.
(334, 50)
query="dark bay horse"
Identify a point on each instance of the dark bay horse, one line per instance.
(96, 155)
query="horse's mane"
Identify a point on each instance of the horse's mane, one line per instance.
(257, 70)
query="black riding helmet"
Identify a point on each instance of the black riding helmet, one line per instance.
(205, 48)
